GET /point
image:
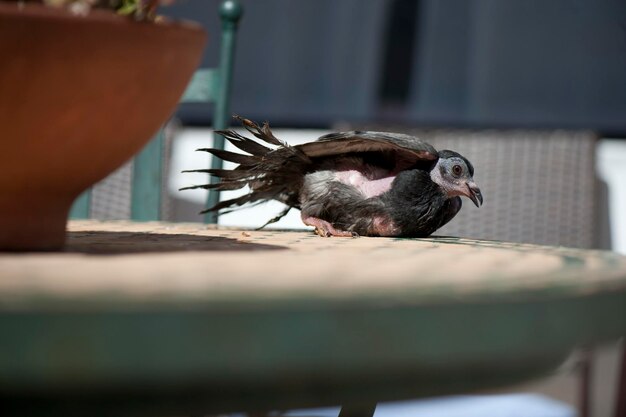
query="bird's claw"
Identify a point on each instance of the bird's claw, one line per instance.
(323, 232)
(325, 229)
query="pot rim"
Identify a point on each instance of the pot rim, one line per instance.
(38, 11)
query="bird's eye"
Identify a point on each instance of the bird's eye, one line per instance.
(457, 170)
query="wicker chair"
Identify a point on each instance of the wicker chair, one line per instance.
(539, 186)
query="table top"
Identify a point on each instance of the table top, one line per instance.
(227, 320)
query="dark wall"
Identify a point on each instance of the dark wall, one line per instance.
(522, 62)
(299, 62)
(532, 63)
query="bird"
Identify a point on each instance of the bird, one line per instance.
(346, 184)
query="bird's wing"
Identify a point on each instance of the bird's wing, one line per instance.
(367, 161)
(407, 147)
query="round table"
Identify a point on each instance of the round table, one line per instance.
(157, 318)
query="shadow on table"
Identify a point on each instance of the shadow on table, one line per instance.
(116, 243)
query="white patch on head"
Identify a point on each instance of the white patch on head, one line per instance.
(451, 186)
(436, 177)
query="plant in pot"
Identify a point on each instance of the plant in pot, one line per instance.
(85, 84)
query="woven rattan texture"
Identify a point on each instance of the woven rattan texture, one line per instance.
(112, 195)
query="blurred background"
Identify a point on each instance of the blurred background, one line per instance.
(533, 92)
(481, 63)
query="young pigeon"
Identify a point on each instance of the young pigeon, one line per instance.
(348, 183)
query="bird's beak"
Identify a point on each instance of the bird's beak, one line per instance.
(474, 193)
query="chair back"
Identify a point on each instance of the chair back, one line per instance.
(208, 85)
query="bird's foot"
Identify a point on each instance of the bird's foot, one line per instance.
(325, 229)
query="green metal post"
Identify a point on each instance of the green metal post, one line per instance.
(82, 206)
(147, 174)
(230, 13)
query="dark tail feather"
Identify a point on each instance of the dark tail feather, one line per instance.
(232, 209)
(264, 133)
(239, 201)
(272, 173)
(231, 156)
(244, 143)
(221, 186)
(277, 218)
(227, 174)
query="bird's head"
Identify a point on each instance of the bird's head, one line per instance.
(455, 175)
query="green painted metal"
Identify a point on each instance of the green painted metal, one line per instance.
(230, 12)
(147, 174)
(251, 359)
(170, 335)
(82, 206)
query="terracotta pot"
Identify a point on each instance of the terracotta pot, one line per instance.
(78, 97)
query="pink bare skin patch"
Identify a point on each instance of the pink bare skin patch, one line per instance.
(369, 180)
(325, 229)
(384, 226)
(369, 187)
